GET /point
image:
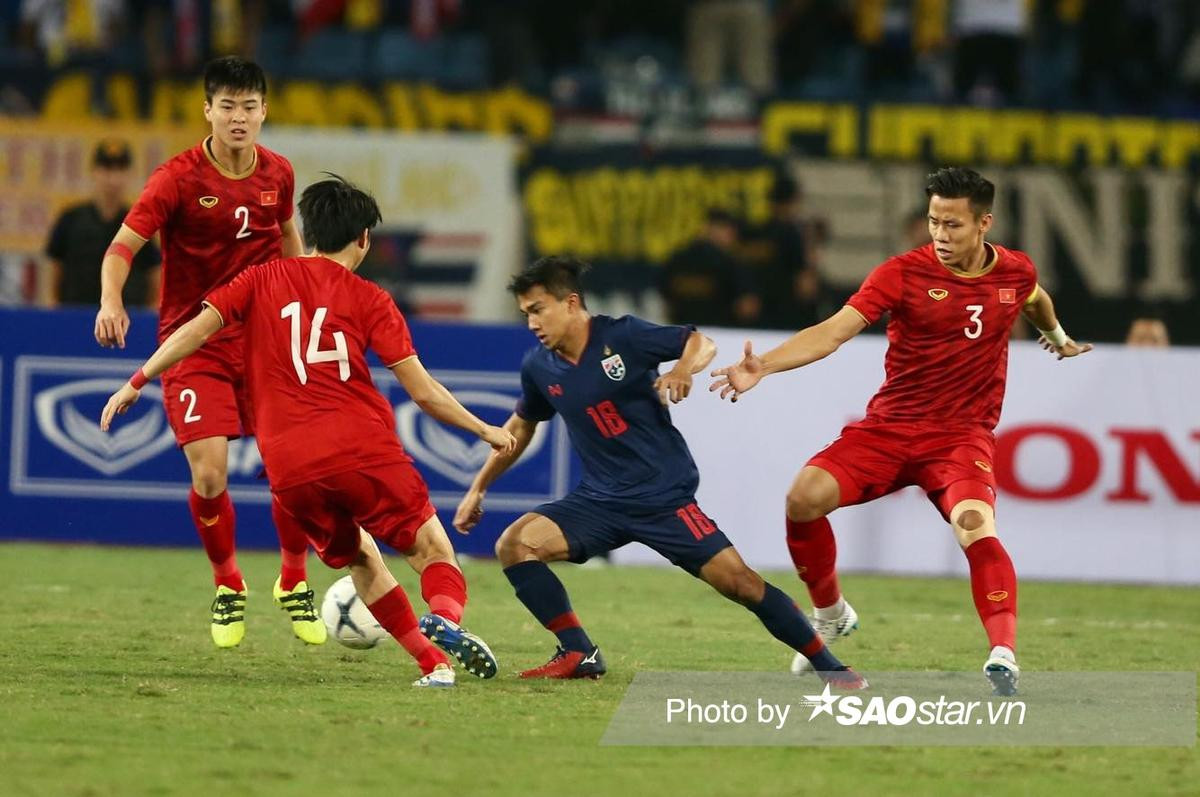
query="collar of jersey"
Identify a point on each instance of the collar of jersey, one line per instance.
(992, 261)
(586, 342)
(206, 146)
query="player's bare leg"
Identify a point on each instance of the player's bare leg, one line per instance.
(213, 515)
(445, 591)
(813, 495)
(994, 588)
(729, 575)
(523, 550)
(386, 600)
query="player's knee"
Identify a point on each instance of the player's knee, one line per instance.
(208, 480)
(511, 549)
(742, 585)
(971, 520)
(804, 506)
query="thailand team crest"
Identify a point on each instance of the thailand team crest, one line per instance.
(614, 367)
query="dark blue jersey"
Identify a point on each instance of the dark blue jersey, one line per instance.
(631, 452)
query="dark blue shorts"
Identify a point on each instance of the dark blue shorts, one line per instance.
(686, 536)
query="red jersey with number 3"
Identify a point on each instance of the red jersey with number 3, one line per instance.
(213, 224)
(307, 325)
(947, 356)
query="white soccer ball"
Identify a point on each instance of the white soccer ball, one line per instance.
(347, 617)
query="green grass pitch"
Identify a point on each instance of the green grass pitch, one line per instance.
(110, 686)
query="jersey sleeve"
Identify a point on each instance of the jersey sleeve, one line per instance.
(1031, 289)
(387, 331)
(533, 404)
(232, 301)
(880, 292)
(656, 342)
(158, 201)
(287, 193)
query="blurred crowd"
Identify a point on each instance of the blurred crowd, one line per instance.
(1120, 55)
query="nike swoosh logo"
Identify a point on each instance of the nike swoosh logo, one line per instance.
(210, 521)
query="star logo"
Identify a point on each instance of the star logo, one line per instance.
(821, 704)
(1008, 295)
(268, 197)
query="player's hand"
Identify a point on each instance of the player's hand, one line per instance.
(1068, 349)
(734, 380)
(112, 322)
(673, 386)
(501, 440)
(469, 511)
(118, 404)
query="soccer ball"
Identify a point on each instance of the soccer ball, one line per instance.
(347, 617)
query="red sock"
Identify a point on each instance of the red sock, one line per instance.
(215, 520)
(293, 547)
(395, 614)
(445, 590)
(994, 586)
(814, 552)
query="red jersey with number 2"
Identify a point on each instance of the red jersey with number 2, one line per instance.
(307, 324)
(947, 356)
(212, 224)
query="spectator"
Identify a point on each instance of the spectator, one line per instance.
(987, 54)
(704, 283)
(779, 250)
(82, 233)
(1148, 332)
(738, 30)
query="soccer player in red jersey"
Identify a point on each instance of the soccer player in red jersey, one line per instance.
(952, 303)
(218, 207)
(328, 437)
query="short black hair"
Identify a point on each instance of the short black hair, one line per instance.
(558, 274)
(235, 75)
(334, 212)
(955, 182)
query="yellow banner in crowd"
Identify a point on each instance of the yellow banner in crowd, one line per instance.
(44, 167)
(636, 212)
(310, 103)
(974, 135)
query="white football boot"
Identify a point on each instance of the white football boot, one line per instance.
(843, 623)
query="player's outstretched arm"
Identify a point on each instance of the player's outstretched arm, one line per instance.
(433, 397)
(676, 384)
(1040, 313)
(806, 346)
(180, 344)
(292, 243)
(112, 322)
(470, 508)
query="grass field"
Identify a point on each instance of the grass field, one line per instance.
(111, 687)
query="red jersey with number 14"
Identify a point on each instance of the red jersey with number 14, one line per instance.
(213, 224)
(947, 356)
(307, 325)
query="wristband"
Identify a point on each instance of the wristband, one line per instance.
(138, 380)
(1056, 336)
(122, 251)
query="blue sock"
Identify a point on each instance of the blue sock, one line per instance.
(546, 599)
(785, 622)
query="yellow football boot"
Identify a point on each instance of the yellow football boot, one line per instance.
(228, 617)
(298, 603)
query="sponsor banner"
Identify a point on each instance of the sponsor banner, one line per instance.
(65, 479)
(1097, 463)
(1052, 709)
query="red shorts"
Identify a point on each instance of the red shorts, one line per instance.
(390, 501)
(873, 458)
(205, 394)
